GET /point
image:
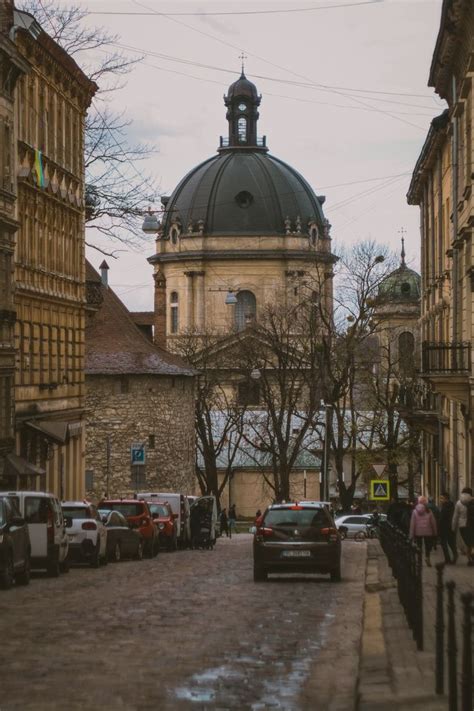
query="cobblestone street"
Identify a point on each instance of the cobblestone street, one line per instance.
(189, 630)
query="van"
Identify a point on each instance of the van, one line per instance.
(179, 506)
(46, 527)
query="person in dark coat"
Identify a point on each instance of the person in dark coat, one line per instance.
(224, 523)
(232, 519)
(447, 536)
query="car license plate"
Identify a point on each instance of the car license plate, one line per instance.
(296, 554)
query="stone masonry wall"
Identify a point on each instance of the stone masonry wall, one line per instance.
(151, 409)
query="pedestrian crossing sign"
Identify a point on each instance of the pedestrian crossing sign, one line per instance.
(380, 490)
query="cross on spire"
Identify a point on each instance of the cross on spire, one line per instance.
(402, 231)
(243, 57)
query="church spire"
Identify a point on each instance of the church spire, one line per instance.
(403, 252)
(242, 102)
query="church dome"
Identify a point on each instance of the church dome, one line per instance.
(243, 192)
(401, 285)
(242, 88)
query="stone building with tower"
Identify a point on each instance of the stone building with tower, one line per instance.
(51, 100)
(242, 230)
(137, 395)
(441, 186)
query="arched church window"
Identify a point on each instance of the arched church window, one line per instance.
(405, 288)
(245, 310)
(242, 129)
(174, 312)
(406, 352)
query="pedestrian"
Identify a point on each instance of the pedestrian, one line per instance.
(355, 509)
(257, 516)
(423, 527)
(224, 523)
(447, 536)
(464, 520)
(232, 519)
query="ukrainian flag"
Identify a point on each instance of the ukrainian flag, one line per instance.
(39, 168)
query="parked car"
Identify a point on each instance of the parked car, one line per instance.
(297, 538)
(48, 538)
(122, 541)
(165, 522)
(354, 526)
(15, 548)
(87, 535)
(180, 507)
(138, 516)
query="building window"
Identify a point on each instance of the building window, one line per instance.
(89, 479)
(245, 310)
(406, 352)
(174, 313)
(248, 393)
(151, 441)
(242, 129)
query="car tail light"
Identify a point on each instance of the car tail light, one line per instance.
(265, 532)
(50, 527)
(89, 526)
(331, 533)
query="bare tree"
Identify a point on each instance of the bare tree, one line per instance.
(117, 191)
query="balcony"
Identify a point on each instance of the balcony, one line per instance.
(450, 357)
(420, 406)
(447, 366)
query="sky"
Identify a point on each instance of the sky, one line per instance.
(345, 102)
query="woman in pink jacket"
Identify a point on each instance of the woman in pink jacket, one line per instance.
(423, 527)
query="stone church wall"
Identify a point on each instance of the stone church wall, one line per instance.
(155, 410)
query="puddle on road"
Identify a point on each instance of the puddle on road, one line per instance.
(281, 691)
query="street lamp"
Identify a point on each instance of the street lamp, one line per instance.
(231, 298)
(327, 436)
(256, 374)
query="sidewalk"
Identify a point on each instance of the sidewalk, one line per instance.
(393, 674)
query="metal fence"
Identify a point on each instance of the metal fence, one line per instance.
(446, 357)
(405, 560)
(448, 625)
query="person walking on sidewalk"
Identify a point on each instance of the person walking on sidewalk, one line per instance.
(224, 523)
(232, 519)
(423, 527)
(447, 536)
(464, 520)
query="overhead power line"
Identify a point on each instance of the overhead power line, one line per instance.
(283, 11)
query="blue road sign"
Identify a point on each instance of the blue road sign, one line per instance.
(137, 454)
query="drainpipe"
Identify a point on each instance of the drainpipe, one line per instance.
(455, 280)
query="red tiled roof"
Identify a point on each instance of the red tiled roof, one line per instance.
(116, 346)
(143, 318)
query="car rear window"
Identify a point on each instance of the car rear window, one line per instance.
(76, 512)
(158, 510)
(317, 517)
(127, 509)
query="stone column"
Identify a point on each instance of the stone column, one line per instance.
(189, 307)
(200, 316)
(160, 309)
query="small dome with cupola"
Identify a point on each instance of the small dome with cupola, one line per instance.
(402, 285)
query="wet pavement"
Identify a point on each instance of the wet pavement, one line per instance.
(187, 630)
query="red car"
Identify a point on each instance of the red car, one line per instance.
(139, 517)
(165, 522)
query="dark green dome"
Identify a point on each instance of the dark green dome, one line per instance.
(243, 191)
(403, 284)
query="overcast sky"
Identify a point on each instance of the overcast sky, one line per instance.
(332, 134)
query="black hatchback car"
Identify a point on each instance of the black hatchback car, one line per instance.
(15, 548)
(296, 538)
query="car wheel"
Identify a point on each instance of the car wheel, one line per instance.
(336, 574)
(360, 536)
(53, 568)
(23, 578)
(117, 553)
(139, 555)
(7, 575)
(95, 560)
(260, 575)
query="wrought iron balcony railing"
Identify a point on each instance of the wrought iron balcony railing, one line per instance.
(446, 357)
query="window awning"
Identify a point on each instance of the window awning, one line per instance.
(55, 430)
(15, 465)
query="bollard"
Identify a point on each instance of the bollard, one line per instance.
(439, 668)
(466, 677)
(452, 650)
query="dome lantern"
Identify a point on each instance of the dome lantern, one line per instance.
(242, 102)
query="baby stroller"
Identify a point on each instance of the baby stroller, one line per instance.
(203, 522)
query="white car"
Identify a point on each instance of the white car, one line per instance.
(49, 542)
(354, 526)
(86, 533)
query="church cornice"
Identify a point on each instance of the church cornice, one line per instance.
(245, 254)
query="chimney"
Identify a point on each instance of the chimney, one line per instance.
(6, 16)
(104, 275)
(160, 309)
